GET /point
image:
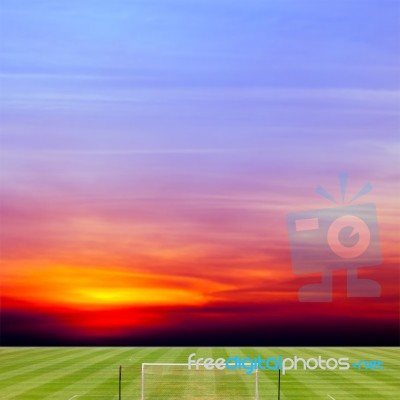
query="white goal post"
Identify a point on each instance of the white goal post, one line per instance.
(197, 383)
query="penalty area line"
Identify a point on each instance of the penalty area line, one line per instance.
(331, 397)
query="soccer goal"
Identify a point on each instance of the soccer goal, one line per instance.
(162, 381)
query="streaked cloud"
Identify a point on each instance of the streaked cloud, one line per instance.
(151, 151)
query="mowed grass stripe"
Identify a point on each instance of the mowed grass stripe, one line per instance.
(338, 383)
(84, 384)
(69, 373)
(133, 385)
(134, 372)
(35, 358)
(15, 355)
(250, 378)
(244, 384)
(301, 387)
(379, 382)
(9, 355)
(391, 365)
(294, 387)
(217, 385)
(153, 375)
(165, 382)
(128, 384)
(95, 376)
(29, 373)
(211, 377)
(391, 368)
(383, 351)
(193, 384)
(95, 381)
(55, 370)
(267, 379)
(382, 382)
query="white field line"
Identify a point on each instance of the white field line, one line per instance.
(74, 397)
(331, 397)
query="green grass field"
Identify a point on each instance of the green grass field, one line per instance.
(92, 374)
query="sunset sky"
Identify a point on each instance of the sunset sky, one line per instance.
(151, 150)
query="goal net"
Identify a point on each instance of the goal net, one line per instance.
(165, 381)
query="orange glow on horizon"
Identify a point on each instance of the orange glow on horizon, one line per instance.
(90, 288)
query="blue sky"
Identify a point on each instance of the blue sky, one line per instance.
(207, 42)
(286, 83)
